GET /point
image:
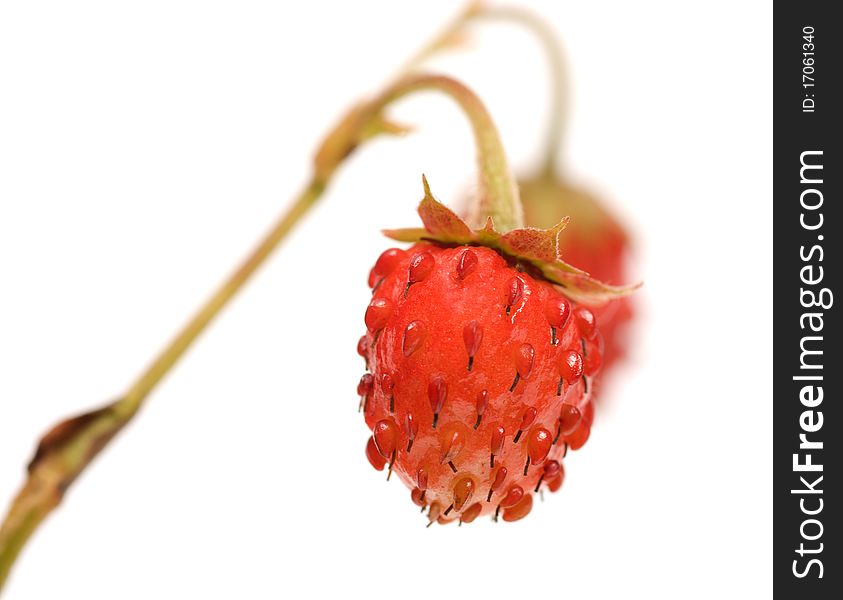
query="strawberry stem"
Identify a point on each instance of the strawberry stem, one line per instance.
(452, 34)
(559, 101)
(498, 192)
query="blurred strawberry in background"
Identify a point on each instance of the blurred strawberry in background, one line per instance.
(594, 241)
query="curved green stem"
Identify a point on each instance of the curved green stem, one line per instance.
(69, 447)
(451, 35)
(558, 75)
(547, 37)
(498, 191)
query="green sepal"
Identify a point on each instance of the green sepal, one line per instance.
(537, 247)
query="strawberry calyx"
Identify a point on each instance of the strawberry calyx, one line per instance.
(529, 246)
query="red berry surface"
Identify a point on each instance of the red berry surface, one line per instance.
(480, 380)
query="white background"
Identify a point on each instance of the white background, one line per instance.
(143, 148)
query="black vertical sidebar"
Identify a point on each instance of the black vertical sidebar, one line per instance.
(807, 174)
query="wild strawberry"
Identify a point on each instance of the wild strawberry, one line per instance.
(479, 366)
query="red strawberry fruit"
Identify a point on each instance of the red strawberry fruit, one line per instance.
(479, 365)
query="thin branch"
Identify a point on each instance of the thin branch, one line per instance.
(69, 447)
